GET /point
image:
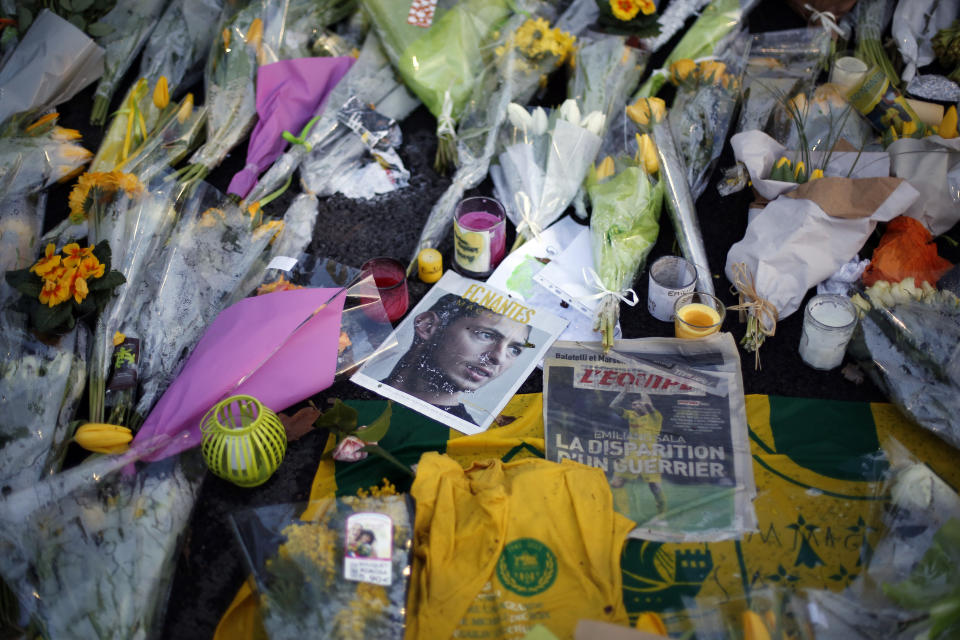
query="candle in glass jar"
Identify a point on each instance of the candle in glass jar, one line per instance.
(480, 236)
(828, 324)
(697, 315)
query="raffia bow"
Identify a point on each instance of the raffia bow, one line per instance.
(762, 315)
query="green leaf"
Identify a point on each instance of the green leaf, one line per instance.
(82, 5)
(65, 4)
(340, 418)
(78, 21)
(377, 450)
(24, 18)
(53, 320)
(103, 253)
(99, 29)
(27, 283)
(376, 430)
(108, 282)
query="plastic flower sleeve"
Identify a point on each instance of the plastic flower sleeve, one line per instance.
(138, 233)
(781, 64)
(528, 50)
(212, 249)
(907, 340)
(21, 222)
(29, 164)
(180, 42)
(131, 22)
(91, 552)
(41, 383)
(370, 80)
(50, 65)
(317, 575)
(700, 117)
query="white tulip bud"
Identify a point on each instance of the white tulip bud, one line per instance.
(538, 125)
(519, 116)
(569, 111)
(593, 122)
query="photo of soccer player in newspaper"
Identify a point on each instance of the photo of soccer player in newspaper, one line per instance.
(461, 353)
(674, 449)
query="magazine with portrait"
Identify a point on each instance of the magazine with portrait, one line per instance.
(666, 421)
(462, 353)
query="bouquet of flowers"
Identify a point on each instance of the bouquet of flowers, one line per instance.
(707, 97)
(543, 161)
(90, 552)
(125, 30)
(326, 140)
(41, 382)
(707, 36)
(649, 115)
(440, 50)
(625, 201)
(528, 50)
(38, 155)
(907, 340)
(180, 42)
(229, 83)
(339, 569)
(184, 283)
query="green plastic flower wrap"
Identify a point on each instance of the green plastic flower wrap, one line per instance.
(624, 225)
(439, 57)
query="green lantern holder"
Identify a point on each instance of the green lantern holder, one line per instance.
(242, 441)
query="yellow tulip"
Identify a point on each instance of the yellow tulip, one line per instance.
(103, 438)
(161, 93)
(712, 71)
(255, 33)
(186, 109)
(909, 128)
(646, 111)
(681, 69)
(605, 169)
(648, 153)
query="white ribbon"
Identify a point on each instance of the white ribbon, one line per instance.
(445, 122)
(828, 20)
(628, 296)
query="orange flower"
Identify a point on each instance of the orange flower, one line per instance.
(624, 9)
(74, 254)
(127, 182)
(647, 7)
(78, 196)
(47, 263)
(90, 267)
(55, 291)
(78, 288)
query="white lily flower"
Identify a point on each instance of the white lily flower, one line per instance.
(569, 111)
(538, 125)
(593, 122)
(519, 116)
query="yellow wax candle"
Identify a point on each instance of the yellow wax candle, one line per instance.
(696, 320)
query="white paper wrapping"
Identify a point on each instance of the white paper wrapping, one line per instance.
(52, 63)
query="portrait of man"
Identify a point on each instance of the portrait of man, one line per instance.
(458, 347)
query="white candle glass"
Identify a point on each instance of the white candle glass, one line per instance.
(828, 324)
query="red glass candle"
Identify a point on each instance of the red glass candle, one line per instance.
(390, 277)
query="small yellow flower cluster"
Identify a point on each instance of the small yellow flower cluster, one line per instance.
(65, 276)
(369, 602)
(282, 284)
(626, 10)
(690, 74)
(100, 188)
(536, 40)
(310, 546)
